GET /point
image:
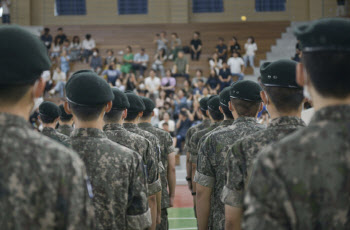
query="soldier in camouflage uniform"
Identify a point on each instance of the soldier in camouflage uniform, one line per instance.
(302, 181)
(135, 111)
(168, 176)
(283, 99)
(65, 122)
(210, 176)
(116, 172)
(116, 132)
(49, 114)
(43, 183)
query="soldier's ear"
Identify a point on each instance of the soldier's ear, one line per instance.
(125, 113)
(264, 97)
(39, 87)
(140, 114)
(220, 108)
(230, 107)
(207, 112)
(301, 75)
(153, 113)
(67, 108)
(108, 106)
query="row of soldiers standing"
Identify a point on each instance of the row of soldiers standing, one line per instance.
(285, 175)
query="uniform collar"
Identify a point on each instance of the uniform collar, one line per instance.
(7, 119)
(286, 121)
(65, 126)
(245, 119)
(226, 122)
(130, 125)
(332, 113)
(114, 127)
(145, 125)
(206, 122)
(48, 130)
(88, 132)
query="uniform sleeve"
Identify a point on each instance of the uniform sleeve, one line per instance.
(205, 174)
(267, 203)
(232, 193)
(138, 212)
(193, 149)
(187, 140)
(169, 144)
(152, 170)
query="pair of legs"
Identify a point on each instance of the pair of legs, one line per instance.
(6, 19)
(60, 88)
(86, 55)
(160, 68)
(185, 75)
(195, 56)
(250, 59)
(139, 67)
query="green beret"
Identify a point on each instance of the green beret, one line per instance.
(281, 73)
(120, 101)
(214, 103)
(86, 88)
(331, 34)
(225, 96)
(203, 103)
(64, 115)
(23, 57)
(49, 109)
(246, 90)
(136, 103)
(149, 104)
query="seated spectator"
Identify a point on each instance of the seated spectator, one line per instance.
(206, 93)
(168, 83)
(199, 76)
(200, 87)
(46, 37)
(65, 62)
(75, 49)
(180, 101)
(181, 67)
(236, 65)
(112, 74)
(234, 46)
(187, 86)
(166, 119)
(119, 85)
(159, 60)
(196, 47)
(62, 37)
(225, 76)
(250, 48)
(110, 58)
(130, 82)
(66, 46)
(175, 45)
(88, 46)
(213, 83)
(152, 84)
(161, 99)
(128, 59)
(96, 61)
(182, 125)
(161, 41)
(221, 50)
(140, 62)
(215, 63)
(55, 49)
(59, 78)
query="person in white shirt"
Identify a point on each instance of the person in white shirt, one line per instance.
(60, 79)
(250, 48)
(236, 64)
(166, 119)
(88, 45)
(140, 62)
(152, 84)
(5, 4)
(215, 63)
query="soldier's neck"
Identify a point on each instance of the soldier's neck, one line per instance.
(136, 121)
(69, 123)
(20, 109)
(50, 125)
(322, 102)
(96, 124)
(274, 113)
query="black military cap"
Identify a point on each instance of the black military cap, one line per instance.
(246, 90)
(120, 101)
(214, 103)
(49, 109)
(331, 34)
(225, 96)
(64, 115)
(149, 104)
(19, 46)
(86, 88)
(281, 73)
(136, 103)
(203, 103)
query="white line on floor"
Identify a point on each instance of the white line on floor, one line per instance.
(181, 228)
(190, 218)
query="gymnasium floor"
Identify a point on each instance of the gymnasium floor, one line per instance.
(181, 216)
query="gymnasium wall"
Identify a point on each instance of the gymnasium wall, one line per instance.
(104, 12)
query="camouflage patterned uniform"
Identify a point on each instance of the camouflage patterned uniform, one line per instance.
(53, 134)
(43, 184)
(118, 180)
(302, 182)
(193, 144)
(205, 124)
(65, 129)
(166, 145)
(211, 163)
(118, 134)
(241, 155)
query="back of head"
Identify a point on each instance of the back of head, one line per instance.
(279, 81)
(120, 103)
(149, 107)
(203, 106)
(136, 106)
(224, 100)
(326, 54)
(64, 117)
(213, 108)
(49, 112)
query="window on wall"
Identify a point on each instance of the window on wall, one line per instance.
(132, 7)
(207, 6)
(270, 5)
(70, 7)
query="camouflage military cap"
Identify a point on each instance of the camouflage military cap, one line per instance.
(246, 90)
(225, 96)
(331, 34)
(203, 103)
(86, 88)
(136, 103)
(214, 103)
(19, 46)
(120, 101)
(281, 73)
(149, 104)
(64, 115)
(49, 109)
